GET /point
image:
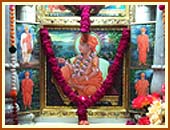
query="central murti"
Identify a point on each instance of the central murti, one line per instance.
(84, 75)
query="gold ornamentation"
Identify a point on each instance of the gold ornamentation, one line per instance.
(99, 111)
(132, 13)
(43, 17)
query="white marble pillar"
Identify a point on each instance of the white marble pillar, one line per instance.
(159, 55)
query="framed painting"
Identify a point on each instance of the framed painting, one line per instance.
(28, 97)
(69, 15)
(113, 11)
(28, 47)
(55, 11)
(65, 43)
(71, 10)
(138, 88)
(142, 45)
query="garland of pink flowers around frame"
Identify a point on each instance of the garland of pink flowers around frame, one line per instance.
(83, 103)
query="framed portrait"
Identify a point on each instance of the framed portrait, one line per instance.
(28, 97)
(135, 82)
(64, 30)
(70, 10)
(28, 47)
(55, 10)
(65, 43)
(142, 45)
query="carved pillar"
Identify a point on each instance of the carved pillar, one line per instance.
(159, 55)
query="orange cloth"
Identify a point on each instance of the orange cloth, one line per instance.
(141, 87)
(90, 40)
(28, 41)
(143, 46)
(27, 91)
(89, 86)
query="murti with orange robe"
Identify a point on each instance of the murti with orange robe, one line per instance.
(27, 90)
(89, 84)
(141, 86)
(143, 46)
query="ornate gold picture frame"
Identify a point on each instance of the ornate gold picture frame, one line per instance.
(71, 24)
(49, 18)
(117, 104)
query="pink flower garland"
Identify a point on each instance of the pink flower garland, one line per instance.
(84, 103)
(85, 18)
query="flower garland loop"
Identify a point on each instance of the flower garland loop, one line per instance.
(84, 102)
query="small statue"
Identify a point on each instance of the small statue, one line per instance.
(27, 90)
(141, 86)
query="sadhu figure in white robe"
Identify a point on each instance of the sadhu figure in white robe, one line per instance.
(26, 45)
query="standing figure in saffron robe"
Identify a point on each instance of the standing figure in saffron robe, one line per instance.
(26, 44)
(142, 86)
(84, 75)
(142, 46)
(27, 90)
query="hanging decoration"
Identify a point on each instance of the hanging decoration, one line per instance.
(83, 103)
(12, 50)
(85, 19)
